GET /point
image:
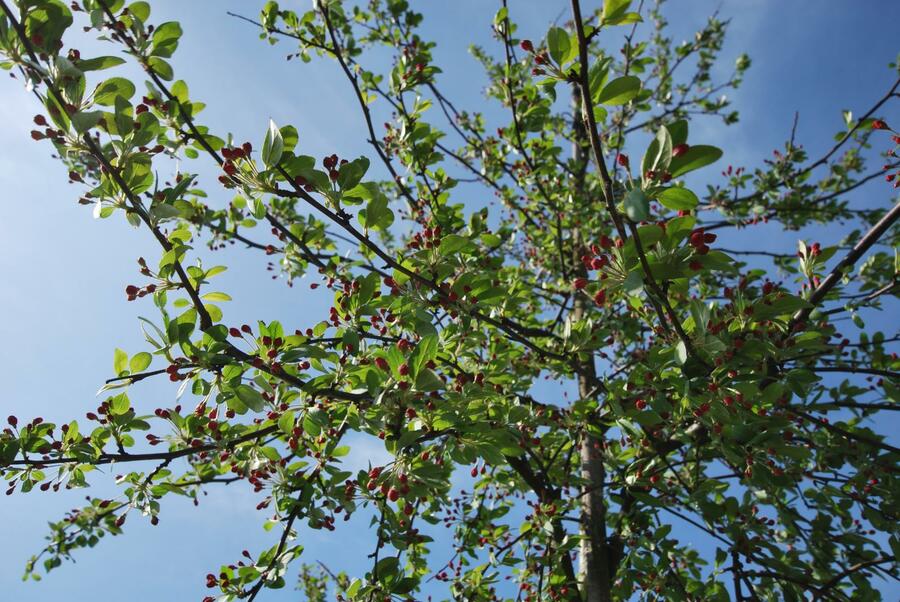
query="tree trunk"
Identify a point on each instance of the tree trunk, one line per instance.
(594, 562)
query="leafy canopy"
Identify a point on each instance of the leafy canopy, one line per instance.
(715, 391)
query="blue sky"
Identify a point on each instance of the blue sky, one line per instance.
(62, 303)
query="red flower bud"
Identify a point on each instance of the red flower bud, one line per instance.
(527, 46)
(680, 149)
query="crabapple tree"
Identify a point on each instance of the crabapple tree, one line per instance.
(712, 388)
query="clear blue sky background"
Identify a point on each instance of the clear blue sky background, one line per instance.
(62, 303)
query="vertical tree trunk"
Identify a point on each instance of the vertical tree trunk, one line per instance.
(594, 561)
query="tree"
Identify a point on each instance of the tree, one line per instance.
(713, 387)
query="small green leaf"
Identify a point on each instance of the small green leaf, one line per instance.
(250, 397)
(559, 44)
(120, 361)
(354, 588)
(678, 198)
(82, 121)
(99, 63)
(614, 9)
(637, 205)
(107, 92)
(681, 352)
(161, 68)
(376, 213)
(634, 283)
(217, 297)
(453, 243)
(286, 422)
(695, 158)
(424, 352)
(679, 131)
(140, 10)
(624, 19)
(165, 39)
(620, 90)
(351, 173)
(139, 362)
(273, 146)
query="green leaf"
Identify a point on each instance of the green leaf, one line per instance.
(120, 361)
(559, 44)
(624, 19)
(376, 214)
(139, 362)
(613, 10)
(597, 77)
(634, 283)
(695, 158)
(250, 397)
(387, 568)
(47, 19)
(681, 353)
(286, 422)
(664, 146)
(454, 243)
(679, 131)
(424, 352)
(620, 90)
(783, 306)
(678, 198)
(501, 15)
(637, 205)
(99, 63)
(427, 380)
(273, 146)
(352, 172)
(115, 87)
(354, 588)
(180, 91)
(161, 68)
(165, 39)
(83, 121)
(290, 137)
(217, 297)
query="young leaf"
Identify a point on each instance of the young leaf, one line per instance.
(695, 158)
(424, 352)
(250, 397)
(559, 44)
(139, 362)
(678, 198)
(620, 90)
(120, 361)
(637, 205)
(273, 146)
(115, 87)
